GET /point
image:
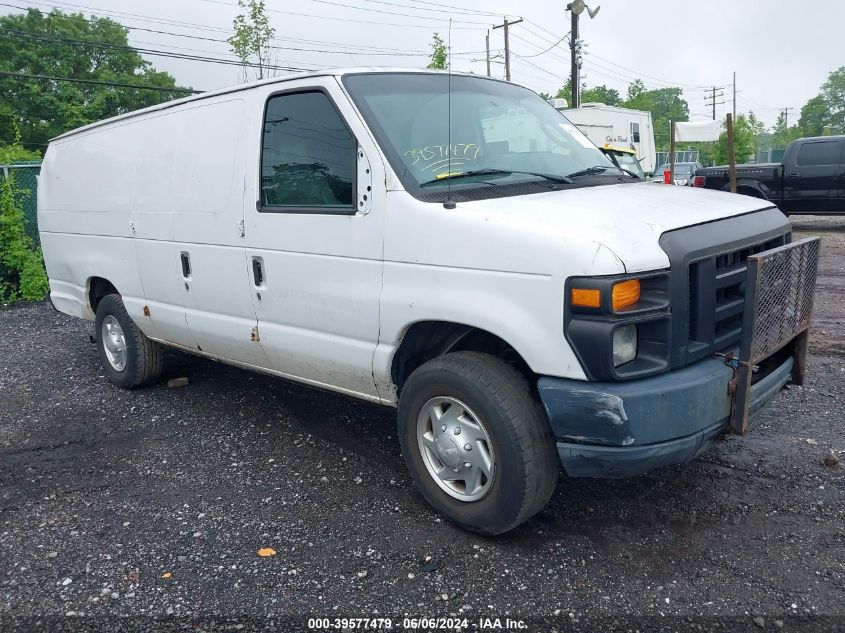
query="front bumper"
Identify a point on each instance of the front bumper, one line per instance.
(613, 430)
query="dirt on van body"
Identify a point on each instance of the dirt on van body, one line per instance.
(146, 510)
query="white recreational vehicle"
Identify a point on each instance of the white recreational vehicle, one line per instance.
(604, 124)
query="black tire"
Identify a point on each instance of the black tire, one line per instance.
(526, 464)
(144, 357)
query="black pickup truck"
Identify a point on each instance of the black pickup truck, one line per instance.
(811, 179)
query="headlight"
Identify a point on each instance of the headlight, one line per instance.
(619, 325)
(624, 344)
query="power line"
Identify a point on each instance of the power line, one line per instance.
(543, 52)
(548, 72)
(147, 51)
(116, 84)
(123, 14)
(639, 75)
(671, 83)
(496, 14)
(480, 26)
(356, 50)
(393, 4)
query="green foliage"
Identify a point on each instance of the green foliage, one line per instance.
(565, 92)
(833, 93)
(601, 94)
(783, 135)
(597, 94)
(22, 274)
(815, 117)
(251, 41)
(43, 109)
(15, 152)
(439, 54)
(665, 104)
(821, 115)
(745, 140)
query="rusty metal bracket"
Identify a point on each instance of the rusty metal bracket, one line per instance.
(779, 292)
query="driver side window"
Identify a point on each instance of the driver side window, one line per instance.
(308, 159)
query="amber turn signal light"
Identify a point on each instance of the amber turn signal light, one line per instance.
(625, 294)
(585, 297)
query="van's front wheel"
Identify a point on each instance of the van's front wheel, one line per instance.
(129, 358)
(476, 442)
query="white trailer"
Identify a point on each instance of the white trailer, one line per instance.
(605, 124)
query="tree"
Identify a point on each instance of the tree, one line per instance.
(22, 274)
(439, 55)
(635, 89)
(71, 46)
(757, 126)
(745, 142)
(565, 92)
(251, 41)
(823, 114)
(665, 105)
(783, 135)
(601, 94)
(815, 117)
(833, 93)
(597, 94)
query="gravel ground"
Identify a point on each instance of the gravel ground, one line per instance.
(152, 505)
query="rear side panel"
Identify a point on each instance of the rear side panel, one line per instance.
(85, 204)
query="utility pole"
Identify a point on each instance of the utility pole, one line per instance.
(487, 39)
(505, 26)
(731, 154)
(734, 87)
(712, 99)
(576, 67)
(785, 113)
(576, 8)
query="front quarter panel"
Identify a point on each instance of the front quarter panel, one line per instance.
(489, 271)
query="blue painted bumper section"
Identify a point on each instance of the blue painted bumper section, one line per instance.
(614, 430)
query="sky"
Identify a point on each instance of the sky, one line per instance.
(781, 51)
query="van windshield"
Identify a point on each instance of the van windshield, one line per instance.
(501, 133)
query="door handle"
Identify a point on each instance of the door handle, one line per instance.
(795, 175)
(186, 264)
(257, 272)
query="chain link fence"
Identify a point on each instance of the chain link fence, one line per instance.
(26, 179)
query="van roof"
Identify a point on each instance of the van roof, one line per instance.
(330, 72)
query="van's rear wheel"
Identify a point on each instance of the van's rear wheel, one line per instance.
(129, 357)
(476, 442)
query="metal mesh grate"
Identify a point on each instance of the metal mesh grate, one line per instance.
(784, 280)
(26, 183)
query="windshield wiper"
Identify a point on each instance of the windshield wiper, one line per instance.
(497, 172)
(630, 173)
(595, 169)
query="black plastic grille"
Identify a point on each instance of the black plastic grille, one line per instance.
(717, 298)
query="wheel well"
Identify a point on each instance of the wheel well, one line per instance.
(428, 339)
(97, 289)
(751, 191)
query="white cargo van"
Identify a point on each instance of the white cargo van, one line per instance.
(401, 237)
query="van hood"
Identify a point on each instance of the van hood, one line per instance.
(628, 219)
